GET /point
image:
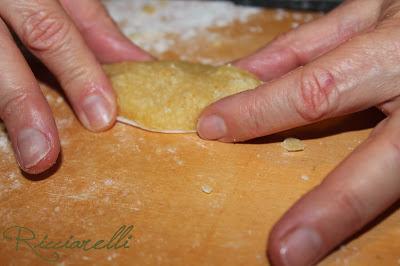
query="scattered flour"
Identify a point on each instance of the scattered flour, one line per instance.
(9, 182)
(297, 16)
(260, 257)
(4, 142)
(308, 17)
(233, 244)
(171, 149)
(150, 29)
(178, 161)
(108, 182)
(49, 98)
(15, 183)
(295, 25)
(281, 14)
(64, 122)
(65, 142)
(59, 100)
(112, 256)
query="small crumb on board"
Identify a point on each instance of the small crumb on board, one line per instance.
(305, 177)
(206, 189)
(293, 145)
(149, 9)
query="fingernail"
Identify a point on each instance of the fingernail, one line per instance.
(301, 247)
(32, 146)
(211, 127)
(97, 112)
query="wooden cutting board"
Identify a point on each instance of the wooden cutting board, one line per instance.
(156, 182)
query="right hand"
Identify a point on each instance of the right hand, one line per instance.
(344, 62)
(70, 38)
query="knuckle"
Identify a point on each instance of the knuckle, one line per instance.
(253, 110)
(12, 102)
(286, 45)
(44, 31)
(317, 95)
(282, 38)
(394, 148)
(94, 17)
(353, 206)
(71, 74)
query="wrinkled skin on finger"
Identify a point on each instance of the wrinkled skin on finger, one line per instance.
(71, 38)
(345, 62)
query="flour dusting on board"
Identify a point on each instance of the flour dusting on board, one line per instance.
(64, 122)
(4, 146)
(149, 23)
(9, 182)
(4, 142)
(108, 182)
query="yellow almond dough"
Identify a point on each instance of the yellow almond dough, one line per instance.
(168, 96)
(293, 145)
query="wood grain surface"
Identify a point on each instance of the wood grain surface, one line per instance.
(155, 182)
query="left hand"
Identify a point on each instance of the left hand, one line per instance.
(71, 38)
(351, 61)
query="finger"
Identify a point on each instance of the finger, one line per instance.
(358, 190)
(390, 106)
(101, 33)
(344, 80)
(311, 40)
(24, 110)
(48, 33)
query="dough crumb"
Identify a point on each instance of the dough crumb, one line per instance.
(293, 145)
(149, 9)
(305, 177)
(206, 189)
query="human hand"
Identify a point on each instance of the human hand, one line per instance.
(344, 62)
(70, 38)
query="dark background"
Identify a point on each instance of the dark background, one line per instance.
(314, 5)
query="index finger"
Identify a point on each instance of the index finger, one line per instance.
(343, 81)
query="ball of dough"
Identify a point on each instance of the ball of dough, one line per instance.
(168, 96)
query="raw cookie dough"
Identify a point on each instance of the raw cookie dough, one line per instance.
(168, 96)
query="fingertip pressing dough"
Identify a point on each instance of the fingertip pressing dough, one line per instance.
(168, 96)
